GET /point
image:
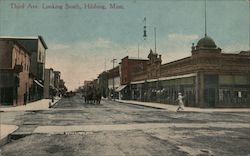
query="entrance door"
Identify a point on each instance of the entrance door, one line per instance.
(210, 97)
(211, 90)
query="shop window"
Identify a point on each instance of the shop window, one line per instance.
(6, 95)
(244, 94)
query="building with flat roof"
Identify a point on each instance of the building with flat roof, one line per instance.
(49, 79)
(14, 72)
(207, 78)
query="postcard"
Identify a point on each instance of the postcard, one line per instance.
(116, 77)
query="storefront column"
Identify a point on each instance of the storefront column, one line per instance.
(201, 88)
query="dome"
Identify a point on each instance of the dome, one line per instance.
(206, 42)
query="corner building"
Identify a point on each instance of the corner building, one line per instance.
(207, 78)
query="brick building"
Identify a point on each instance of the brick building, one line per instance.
(14, 72)
(37, 47)
(208, 78)
(114, 81)
(128, 67)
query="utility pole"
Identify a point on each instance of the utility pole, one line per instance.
(138, 50)
(205, 18)
(145, 29)
(155, 38)
(113, 61)
(249, 24)
(105, 66)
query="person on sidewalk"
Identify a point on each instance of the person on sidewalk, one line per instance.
(25, 98)
(180, 102)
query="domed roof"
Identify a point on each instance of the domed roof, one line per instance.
(206, 42)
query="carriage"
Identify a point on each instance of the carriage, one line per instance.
(92, 95)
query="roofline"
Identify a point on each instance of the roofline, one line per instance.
(113, 68)
(43, 42)
(21, 46)
(175, 61)
(18, 44)
(135, 58)
(26, 38)
(138, 59)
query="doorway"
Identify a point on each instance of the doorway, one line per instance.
(211, 90)
(210, 97)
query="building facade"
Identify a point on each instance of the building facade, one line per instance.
(49, 80)
(103, 83)
(57, 77)
(208, 78)
(37, 47)
(113, 82)
(128, 67)
(14, 72)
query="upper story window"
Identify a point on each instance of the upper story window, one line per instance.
(40, 57)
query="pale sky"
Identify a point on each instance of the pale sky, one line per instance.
(80, 40)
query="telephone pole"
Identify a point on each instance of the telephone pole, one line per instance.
(205, 18)
(138, 50)
(155, 37)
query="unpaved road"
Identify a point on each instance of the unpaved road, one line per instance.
(75, 128)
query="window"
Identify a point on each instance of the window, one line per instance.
(6, 95)
(40, 55)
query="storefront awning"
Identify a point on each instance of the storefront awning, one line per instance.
(120, 88)
(177, 77)
(152, 80)
(38, 83)
(138, 82)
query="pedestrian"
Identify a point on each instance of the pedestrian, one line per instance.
(180, 102)
(25, 98)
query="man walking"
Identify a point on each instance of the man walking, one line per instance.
(180, 102)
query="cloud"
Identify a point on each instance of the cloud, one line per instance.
(182, 37)
(176, 46)
(84, 60)
(235, 48)
(59, 46)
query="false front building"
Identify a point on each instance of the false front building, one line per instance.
(37, 47)
(14, 72)
(208, 78)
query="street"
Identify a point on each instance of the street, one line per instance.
(72, 127)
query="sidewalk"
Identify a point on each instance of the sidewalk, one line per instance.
(37, 105)
(5, 131)
(186, 109)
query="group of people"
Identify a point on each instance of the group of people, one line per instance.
(92, 95)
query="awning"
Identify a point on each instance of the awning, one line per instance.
(120, 88)
(38, 83)
(152, 80)
(138, 82)
(177, 77)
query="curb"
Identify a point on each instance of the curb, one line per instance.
(7, 138)
(187, 111)
(4, 140)
(142, 105)
(54, 104)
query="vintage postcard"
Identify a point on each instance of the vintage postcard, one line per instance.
(124, 77)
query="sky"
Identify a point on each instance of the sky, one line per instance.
(81, 39)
